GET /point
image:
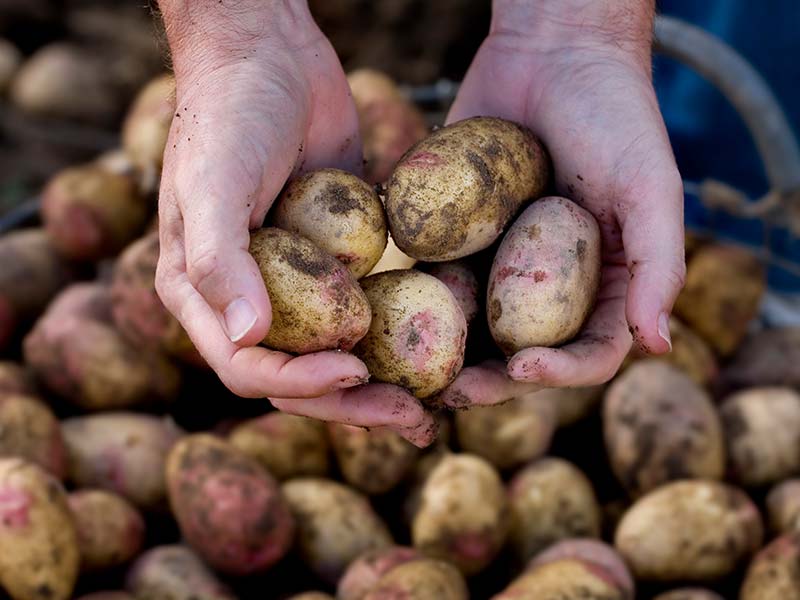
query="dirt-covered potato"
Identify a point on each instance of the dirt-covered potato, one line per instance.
(40, 557)
(174, 573)
(572, 404)
(774, 573)
(453, 193)
(460, 279)
(229, 509)
(766, 358)
(418, 332)
(724, 286)
(110, 530)
(90, 212)
(392, 259)
(16, 379)
(690, 530)
(121, 452)
(364, 572)
(146, 126)
(286, 445)
(544, 277)
(783, 507)
(389, 122)
(564, 579)
(550, 500)
(30, 430)
(659, 426)
(422, 579)
(10, 60)
(510, 434)
(316, 302)
(689, 594)
(462, 515)
(372, 461)
(338, 212)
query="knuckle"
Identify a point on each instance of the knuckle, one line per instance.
(201, 269)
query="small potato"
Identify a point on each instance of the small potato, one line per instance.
(121, 452)
(690, 530)
(364, 572)
(422, 579)
(418, 332)
(335, 525)
(174, 573)
(40, 557)
(660, 426)
(762, 432)
(564, 579)
(372, 461)
(550, 500)
(338, 212)
(724, 286)
(110, 529)
(229, 509)
(16, 379)
(508, 435)
(453, 193)
(767, 358)
(571, 404)
(774, 573)
(316, 302)
(286, 445)
(30, 430)
(689, 594)
(392, 259)
(460, 279)
(463, 513)
(544, 277)
(783, 507)
(146, 126)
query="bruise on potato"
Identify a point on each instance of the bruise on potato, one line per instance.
(766, 358)
(365, 571)
(460, 279)
(783, 507)
(774, 573)
(421, 579)
(689, 594)
(30, 430)
(147, 124)
(562, 579)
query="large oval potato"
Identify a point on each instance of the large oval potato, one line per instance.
(30, 430)
(229, 509)
(146, 126)
(564, 579)
(544, 277)
(774, 573)
(783, 507)
(690, 530)
(316, 302)
(338, 212)
(40, 557)
(364, 572)
(418, 332)
(422, 579)
(452, 193)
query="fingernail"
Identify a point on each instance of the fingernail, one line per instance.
(240, 316)
(349, 382)
(663, 329)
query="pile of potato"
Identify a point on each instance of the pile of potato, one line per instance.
(128, 472)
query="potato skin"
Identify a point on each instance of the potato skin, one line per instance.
(229, 509)
(36, 523)
(147, 124)
(335, 525)
(689, 530)
(421, 579)
(774, 573)
(30, 430)
(365, 571)
(16, 379)
(460, 279)
(174, 573)
(767, 358)
(453, 192)
(338, 212)
(783, 507)
(121, 452)
(561, 579)
(544, 277)
(550, 500)
(110, 530)
(689, 594)
(418, 332)
(286, 445)
(316, 303)
(462, 515)
(660, 426)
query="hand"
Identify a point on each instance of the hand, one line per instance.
(244, 123)
(594, 108)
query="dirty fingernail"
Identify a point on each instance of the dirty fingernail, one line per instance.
(663, 329)
(349, 382)
(239, 317)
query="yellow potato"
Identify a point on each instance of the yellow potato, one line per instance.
(422, 579)
(364, 572)
(774, 573)
(30, 430)
(565, 579)
(146, 126)
(783, 507)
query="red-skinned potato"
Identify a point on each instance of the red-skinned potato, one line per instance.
(365, 571)
(146, 126)
(460, 279)
(16, 379)
(774, 573)
(419, 580)
(565, 578)
(30, 430)
(783, 507)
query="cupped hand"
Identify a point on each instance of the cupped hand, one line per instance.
(596, 112)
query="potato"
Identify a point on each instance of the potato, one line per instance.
(690, 530)
(724, 286)
(10, 60)
(121, 452)
(564, 579)
(40, 558)
(418, 332)
(15, 379)
(91, 213)
(453, 192)
(111, 595)
(550, 500)
(572, 404)
(689, 594)
(463, 513)
(422, 579)
(767, 358)
(335, 525)
(762, 433)
(544, 277)
(372, 461)
(229, 509)
(774, 573)
(312, 596)
(286, 445)
(659, 426)
(783, 507)
(174, 573)
(338, 212)
(510, 434)
(316, 302)
(392, 259)
(29, 430)
(110, 529)
(388, 122)
(147, 124)
(460, 279)
(365, 571)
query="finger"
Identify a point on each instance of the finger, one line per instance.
(484, 384)
(373, 405)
